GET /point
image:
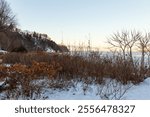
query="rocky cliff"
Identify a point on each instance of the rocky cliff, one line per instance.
(14, 41)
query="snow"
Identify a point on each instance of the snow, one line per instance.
(134, 92)
(140, 92)
(49, 50)
(74, 93)
(2, 51)
(97, 92)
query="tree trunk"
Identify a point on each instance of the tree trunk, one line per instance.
(142, 58)
(142, 63)
(130, 54)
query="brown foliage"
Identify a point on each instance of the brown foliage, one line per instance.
(73, 67)
(23, 75)
(61, 70)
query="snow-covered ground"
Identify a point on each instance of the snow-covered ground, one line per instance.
(139, 92)
(132, 92)
(2, 51)
(111, 90)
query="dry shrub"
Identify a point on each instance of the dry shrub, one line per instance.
(26, 58)
(19, 76)
(69, 68)
(124, 71)
(73, 67)
(95, 70)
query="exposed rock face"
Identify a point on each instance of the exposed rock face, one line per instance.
(4, 41)
(13, 41)
(18, 42)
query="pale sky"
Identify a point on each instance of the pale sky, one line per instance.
(75, 19)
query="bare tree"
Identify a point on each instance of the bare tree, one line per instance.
(148, 50)
(143, 46)
(7, 18)
(133, 37)
(119, 41)
(125, 41)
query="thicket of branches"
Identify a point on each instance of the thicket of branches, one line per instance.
(62, 71)
(130, 42)
(7, 18)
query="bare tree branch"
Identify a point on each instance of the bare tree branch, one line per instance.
(7, 18)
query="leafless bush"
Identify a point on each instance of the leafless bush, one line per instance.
(112, 90)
